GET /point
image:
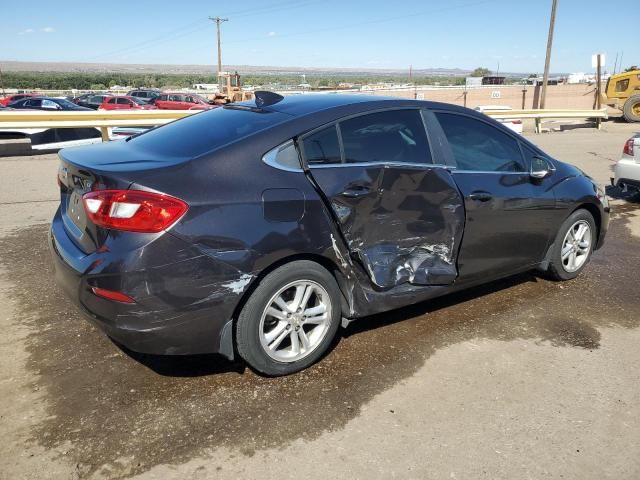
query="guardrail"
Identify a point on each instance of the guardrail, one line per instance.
(548, 114)
(21, 119)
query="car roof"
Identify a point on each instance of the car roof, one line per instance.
(300, 105)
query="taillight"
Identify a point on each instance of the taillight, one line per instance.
(133, 210)
(628, 147)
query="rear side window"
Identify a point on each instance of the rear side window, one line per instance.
(322, 147)
(478, 146)
(123, 101)
(203, 132)
(111, 100)
(391, 136)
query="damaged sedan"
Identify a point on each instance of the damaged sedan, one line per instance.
(258, 229)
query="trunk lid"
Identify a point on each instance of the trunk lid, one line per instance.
(111, 166)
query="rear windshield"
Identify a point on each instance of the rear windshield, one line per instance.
(203, 132)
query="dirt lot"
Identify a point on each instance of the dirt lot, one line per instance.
(523, 378)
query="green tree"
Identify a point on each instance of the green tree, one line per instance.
(480, 72)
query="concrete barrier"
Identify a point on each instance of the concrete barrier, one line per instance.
(15, 147)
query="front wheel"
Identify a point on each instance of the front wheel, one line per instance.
(290, 319)
(573, 245)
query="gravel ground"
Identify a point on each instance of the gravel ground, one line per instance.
(522, 378)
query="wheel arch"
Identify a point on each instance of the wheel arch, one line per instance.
(595, 213)
(325, 262)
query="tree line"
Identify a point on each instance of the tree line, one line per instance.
(104, 80)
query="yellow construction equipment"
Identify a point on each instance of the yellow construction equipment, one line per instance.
(230, 89)
(623, 92)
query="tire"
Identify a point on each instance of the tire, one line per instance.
(563, 269)
(270, 330)
(631, 109)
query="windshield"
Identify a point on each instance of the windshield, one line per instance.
(139, 101)
(203, 132)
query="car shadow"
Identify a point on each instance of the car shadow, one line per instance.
(184, 365)
(213, 364)
(618, 194)
(431, 306)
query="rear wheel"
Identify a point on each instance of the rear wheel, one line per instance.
(573, 245)
(631, 109)
(290, 319)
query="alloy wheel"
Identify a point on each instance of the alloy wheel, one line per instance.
(295, 321)
(576, 246)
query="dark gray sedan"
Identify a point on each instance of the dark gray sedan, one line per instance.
(257, 229)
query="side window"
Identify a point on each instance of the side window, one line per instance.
(49, 104)
(622, 85)
(33, 103)
(112, 100)
(391, 136)
(189, 100)
(322, 147)
(162, 98)
(284, 157)
(479, 146)
(123, 101)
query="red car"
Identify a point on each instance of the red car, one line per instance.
(123, 102)
(12, 98)
(182, 101)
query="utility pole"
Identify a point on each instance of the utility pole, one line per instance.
(547, 61)
(218, 21)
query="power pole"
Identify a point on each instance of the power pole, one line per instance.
(218, 21)
(547, 61)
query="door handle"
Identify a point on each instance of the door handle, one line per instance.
(481, 196)
(355, 191)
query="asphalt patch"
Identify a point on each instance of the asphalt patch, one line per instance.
(118, 413)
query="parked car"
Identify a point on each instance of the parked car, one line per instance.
(256, 228)
(146, 94)
(122, 102)
(627, 170)
(91, 100)
(46, 103)
(14, 98)
(182, 101)
(514, 124)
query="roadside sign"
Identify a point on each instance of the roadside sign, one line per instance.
(495, 94)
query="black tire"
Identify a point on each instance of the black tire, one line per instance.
(557, 269)
(248, 324)
(628, 107)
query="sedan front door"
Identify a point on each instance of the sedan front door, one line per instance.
(507, 226)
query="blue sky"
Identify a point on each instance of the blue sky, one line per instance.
(320, 33)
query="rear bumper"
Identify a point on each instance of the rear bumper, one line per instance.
(626, 173)
(179, 310)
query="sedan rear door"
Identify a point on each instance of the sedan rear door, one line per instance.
(401, 215)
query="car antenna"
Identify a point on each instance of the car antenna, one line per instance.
(265, 98)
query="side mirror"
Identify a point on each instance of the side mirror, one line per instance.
(540, 168)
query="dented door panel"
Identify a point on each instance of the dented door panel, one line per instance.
(402, 223)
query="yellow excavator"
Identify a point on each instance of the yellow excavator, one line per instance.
(230, 89)
(623, 92)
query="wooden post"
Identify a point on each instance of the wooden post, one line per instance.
(524, 97)
(598, 88)
(464, 96)
(105, 133)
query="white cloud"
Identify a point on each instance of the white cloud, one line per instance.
(26, 31)
(48, 29)
(271, 34)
